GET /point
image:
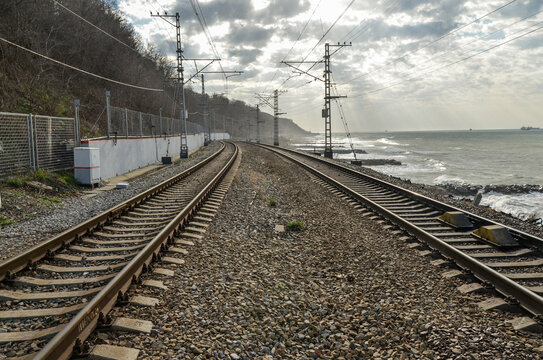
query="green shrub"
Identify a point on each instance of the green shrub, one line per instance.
(41, 175)
(52, 200)
(295, 225)
(16, 181)
(69, 178)
(4, 221)
(272, 203)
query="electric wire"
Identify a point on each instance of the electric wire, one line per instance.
(443, 53)
(344, 121)
(78, 69)
(96, 27)
(296, 41)
(482, 37)
(389, 7)
(468, 51)
(453, 63)
(330, 29)
(322, 37)
(203, 24)
(431, 42)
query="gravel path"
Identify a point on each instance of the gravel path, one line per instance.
(21, 236)
(342, 288)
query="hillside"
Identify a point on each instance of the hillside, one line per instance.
(31, 84)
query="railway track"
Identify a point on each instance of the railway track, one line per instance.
(507, 259)
(64, 287)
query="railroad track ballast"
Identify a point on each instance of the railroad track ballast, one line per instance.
(507, 259)
(54, 295)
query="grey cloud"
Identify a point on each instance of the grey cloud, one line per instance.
(245, 56)
(522, 9)
(280, 9)
(223, 10)
(529, 42)
(253, 35)
(163, 44)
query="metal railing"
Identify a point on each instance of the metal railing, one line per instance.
(32, 142)
(129, 123)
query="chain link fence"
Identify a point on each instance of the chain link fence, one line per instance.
(15, 139)
(129, 123)
(31, 142)
(54, 142)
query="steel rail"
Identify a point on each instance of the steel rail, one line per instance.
(477, 219)
(13, 265)
(82, 325)
(526, 298)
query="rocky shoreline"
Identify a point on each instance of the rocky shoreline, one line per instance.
(455, 196)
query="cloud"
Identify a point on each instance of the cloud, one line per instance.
(245, 56)
(217, 11)
(281, 9)
(252, 35)
(382, 32)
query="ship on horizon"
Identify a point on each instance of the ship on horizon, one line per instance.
(529, 128)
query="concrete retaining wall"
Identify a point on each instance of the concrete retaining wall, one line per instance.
(220, 136)
(124, 155)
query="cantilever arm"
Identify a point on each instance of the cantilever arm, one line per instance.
(302, 71)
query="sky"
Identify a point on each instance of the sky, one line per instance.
(412, 64)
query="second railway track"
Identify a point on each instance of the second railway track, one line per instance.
(507, 259)
(67, 284)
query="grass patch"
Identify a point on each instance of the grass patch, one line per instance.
(41, 175)
(295, 225)
(16, 182)
(272, 203)
(69, 178)
(4, 221)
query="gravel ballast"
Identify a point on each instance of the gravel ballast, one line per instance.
(343, 287)
(20, 236)
(449, 197)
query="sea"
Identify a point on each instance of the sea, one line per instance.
(459, 159)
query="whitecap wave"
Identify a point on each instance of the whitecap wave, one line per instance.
(449, 180)
(523, 206)
(436, 164)
(386, 141)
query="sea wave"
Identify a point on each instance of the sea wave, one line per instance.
(449, 180)
(527, 206)
(436, 164)
(393, 150)
(386, 141)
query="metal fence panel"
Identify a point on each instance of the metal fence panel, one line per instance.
(118, 123)
(15, 150)
(54, 139)
(130, 123)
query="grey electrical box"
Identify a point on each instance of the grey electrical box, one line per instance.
(87, 165)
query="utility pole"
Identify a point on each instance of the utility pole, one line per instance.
(276, 114)
(184, 150)
(258, 123)
(276, 118)
(326, 111)
(265, 99)
(204, 113)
